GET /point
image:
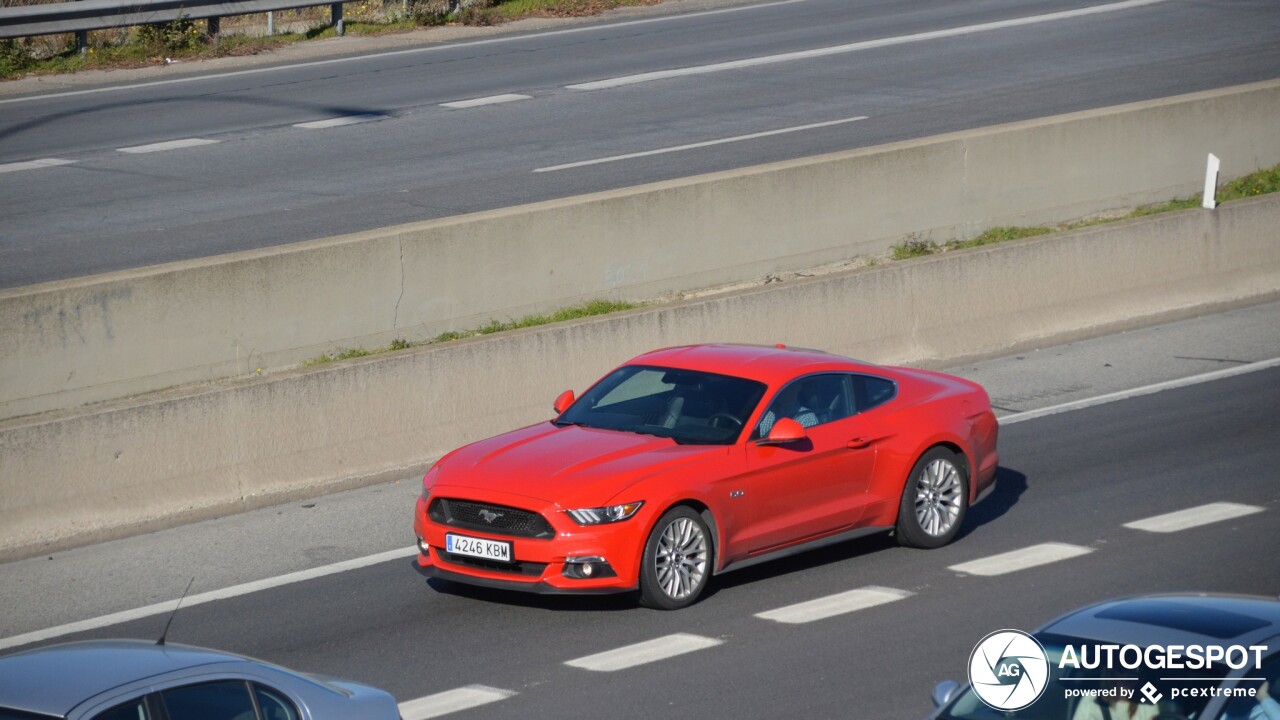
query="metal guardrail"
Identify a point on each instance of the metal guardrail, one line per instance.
(80, 17)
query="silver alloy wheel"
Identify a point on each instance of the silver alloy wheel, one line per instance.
(681, 559)
(938, 490)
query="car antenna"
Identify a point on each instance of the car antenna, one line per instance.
(174, 614)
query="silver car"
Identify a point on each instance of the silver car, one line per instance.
(138, 680)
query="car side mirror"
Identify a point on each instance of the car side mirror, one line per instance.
(784, 431)
(944, 691)
(563, 402)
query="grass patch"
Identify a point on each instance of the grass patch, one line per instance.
(506, 10)
(999, 235)
(1254, 184)
(587, 309)
(157, 44)
(914, 247)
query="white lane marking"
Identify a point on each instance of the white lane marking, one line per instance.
(854, 47)
(212, 595)
(34, 164)
(246, 588)
(1194, 517)
(451, 701)
(170, 145)
(691, 146)
(1138, 392)
(410, 51)
(645, 652)
(1016, 560)
(832, 605)
(491, 100)
(339, 121)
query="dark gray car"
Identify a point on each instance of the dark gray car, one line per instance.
(1170, 625)
(137, 680)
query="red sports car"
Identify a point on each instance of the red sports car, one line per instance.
(690, 461)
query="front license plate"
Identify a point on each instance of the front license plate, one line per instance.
(478, 547)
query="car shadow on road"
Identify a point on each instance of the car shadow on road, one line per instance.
(570, 603)
(1010, 484)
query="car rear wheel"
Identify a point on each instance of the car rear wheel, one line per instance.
(677, 560)
(934, 501)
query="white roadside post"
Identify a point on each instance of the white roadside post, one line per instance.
(1211, 183)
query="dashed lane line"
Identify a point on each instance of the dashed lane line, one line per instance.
(833, 605)
(1016, 560)
(1194, 517)
(340, 121)
(34, 164)
(441, 47)
(451, 701)
(168, 145)
(644, 652)
(491, 100)
(245, 588)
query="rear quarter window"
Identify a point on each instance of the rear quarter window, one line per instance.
(870, 391)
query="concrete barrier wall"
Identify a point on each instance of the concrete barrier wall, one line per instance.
(68, 343)
(159, 461)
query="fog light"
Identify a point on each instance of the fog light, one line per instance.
(423, 547)
(587, 568)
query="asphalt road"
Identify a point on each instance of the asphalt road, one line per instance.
(240, 172)
(1074, 478)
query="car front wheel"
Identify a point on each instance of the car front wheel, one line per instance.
(934, 500)
(677, 560)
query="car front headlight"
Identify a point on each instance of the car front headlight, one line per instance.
(605, 515)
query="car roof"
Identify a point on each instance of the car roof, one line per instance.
(769, 364)
(54, 679)
(1173, 619)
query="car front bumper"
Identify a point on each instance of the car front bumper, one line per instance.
(539, 565)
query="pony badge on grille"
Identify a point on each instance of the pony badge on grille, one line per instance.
(489, 516)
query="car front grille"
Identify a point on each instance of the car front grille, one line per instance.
(486, 517)
(527, 569)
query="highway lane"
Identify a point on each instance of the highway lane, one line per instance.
(262, 180)
(1075, 478)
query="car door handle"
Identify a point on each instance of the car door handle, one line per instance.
(859, 442)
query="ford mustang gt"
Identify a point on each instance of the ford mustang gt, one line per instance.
(690, 461)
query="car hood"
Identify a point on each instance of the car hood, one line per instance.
(568, 466)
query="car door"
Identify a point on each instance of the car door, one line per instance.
(812, 487)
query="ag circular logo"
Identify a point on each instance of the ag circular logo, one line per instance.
(1008, 670)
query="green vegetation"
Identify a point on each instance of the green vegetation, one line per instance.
(587, 309)
(189, 39)
(1261, 182)
(1258, 183)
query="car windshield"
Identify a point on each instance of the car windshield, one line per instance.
(694, 408)
(1078, 694)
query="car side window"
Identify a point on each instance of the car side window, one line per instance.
(1265, 705)
(810, 401)
(135, 709)
(221, 700)
(870, 391)
(274, 705)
